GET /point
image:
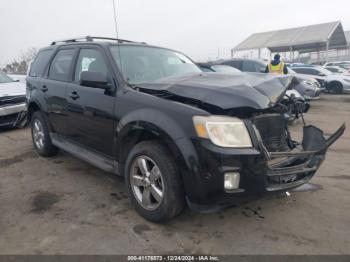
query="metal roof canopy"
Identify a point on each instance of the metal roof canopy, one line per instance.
(347, 36)
(304, 39)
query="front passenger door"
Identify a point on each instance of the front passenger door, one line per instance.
(91, 110)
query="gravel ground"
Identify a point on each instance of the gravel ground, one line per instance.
(62, 205)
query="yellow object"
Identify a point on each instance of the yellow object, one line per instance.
(276, 69)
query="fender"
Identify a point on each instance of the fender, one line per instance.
(169, 131)
(158, 123)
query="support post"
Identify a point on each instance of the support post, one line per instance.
(327, 49)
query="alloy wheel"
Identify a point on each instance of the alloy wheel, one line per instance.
(147, 183)
(38, 134)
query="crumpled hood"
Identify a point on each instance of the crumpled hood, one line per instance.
(12, 89)
(254, 90)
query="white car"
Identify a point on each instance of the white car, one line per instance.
(337, 70)
(334, 83)
(12, 100)
(18, 78)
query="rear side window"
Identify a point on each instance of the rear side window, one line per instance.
(38, 66)
(234, 63)
(248, 66)
(253, 66)
(307, 71)
(301, 70)
(61, 64)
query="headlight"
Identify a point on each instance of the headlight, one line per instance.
(307, 82)
(223, 131)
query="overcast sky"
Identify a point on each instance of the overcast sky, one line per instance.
(198, 28)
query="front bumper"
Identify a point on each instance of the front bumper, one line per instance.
(346, 87)
(12, 109)
(9, 114)
(260, 171)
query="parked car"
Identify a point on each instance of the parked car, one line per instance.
(300, 65)
(337, 70)
(306, 86)
(176, 133)
(334, 83)
(18, 78)
(209, 67)
(246, 65)
(12, 100)
(342, 64)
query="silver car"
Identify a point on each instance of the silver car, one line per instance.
(12, 100)
(334, 83)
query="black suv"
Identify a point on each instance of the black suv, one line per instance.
(175, 133)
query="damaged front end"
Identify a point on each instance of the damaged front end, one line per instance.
(290, 163)
(274, 161)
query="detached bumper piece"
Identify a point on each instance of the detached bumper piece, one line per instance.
(288, 170)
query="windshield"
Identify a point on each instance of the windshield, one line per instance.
(141, 64)
(225, 69)
(4, 78)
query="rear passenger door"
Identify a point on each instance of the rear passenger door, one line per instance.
(54, 88)
(37, 69)
(91, 110)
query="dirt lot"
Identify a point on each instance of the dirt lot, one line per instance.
(65, 206)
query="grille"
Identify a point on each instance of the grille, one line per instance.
(272, 129)
(12, 100)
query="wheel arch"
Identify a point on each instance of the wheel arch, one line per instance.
(136, 132)
(32, 108)
(158, 125)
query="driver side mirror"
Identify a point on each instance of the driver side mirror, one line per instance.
(93, 79)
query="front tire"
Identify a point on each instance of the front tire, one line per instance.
(336, 88)
(41, 136)
(154, 184)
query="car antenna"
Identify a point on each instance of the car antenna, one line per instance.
(117, 32)
(115, 19)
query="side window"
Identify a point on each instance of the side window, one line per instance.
(259, 67)
(205, 69)
(300, 70)
(61, 64)
(236, 64)
(91, 60)
(248, 66)
(39, 63)
(312, 71)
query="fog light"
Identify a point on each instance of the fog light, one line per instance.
(231, 181)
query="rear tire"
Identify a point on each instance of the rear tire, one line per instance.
(335, 88)
(41, 136)
(154, 184)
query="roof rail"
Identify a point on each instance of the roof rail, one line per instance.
(91, 39)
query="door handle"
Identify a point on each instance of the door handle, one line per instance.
(44, 88)
(74, 95)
